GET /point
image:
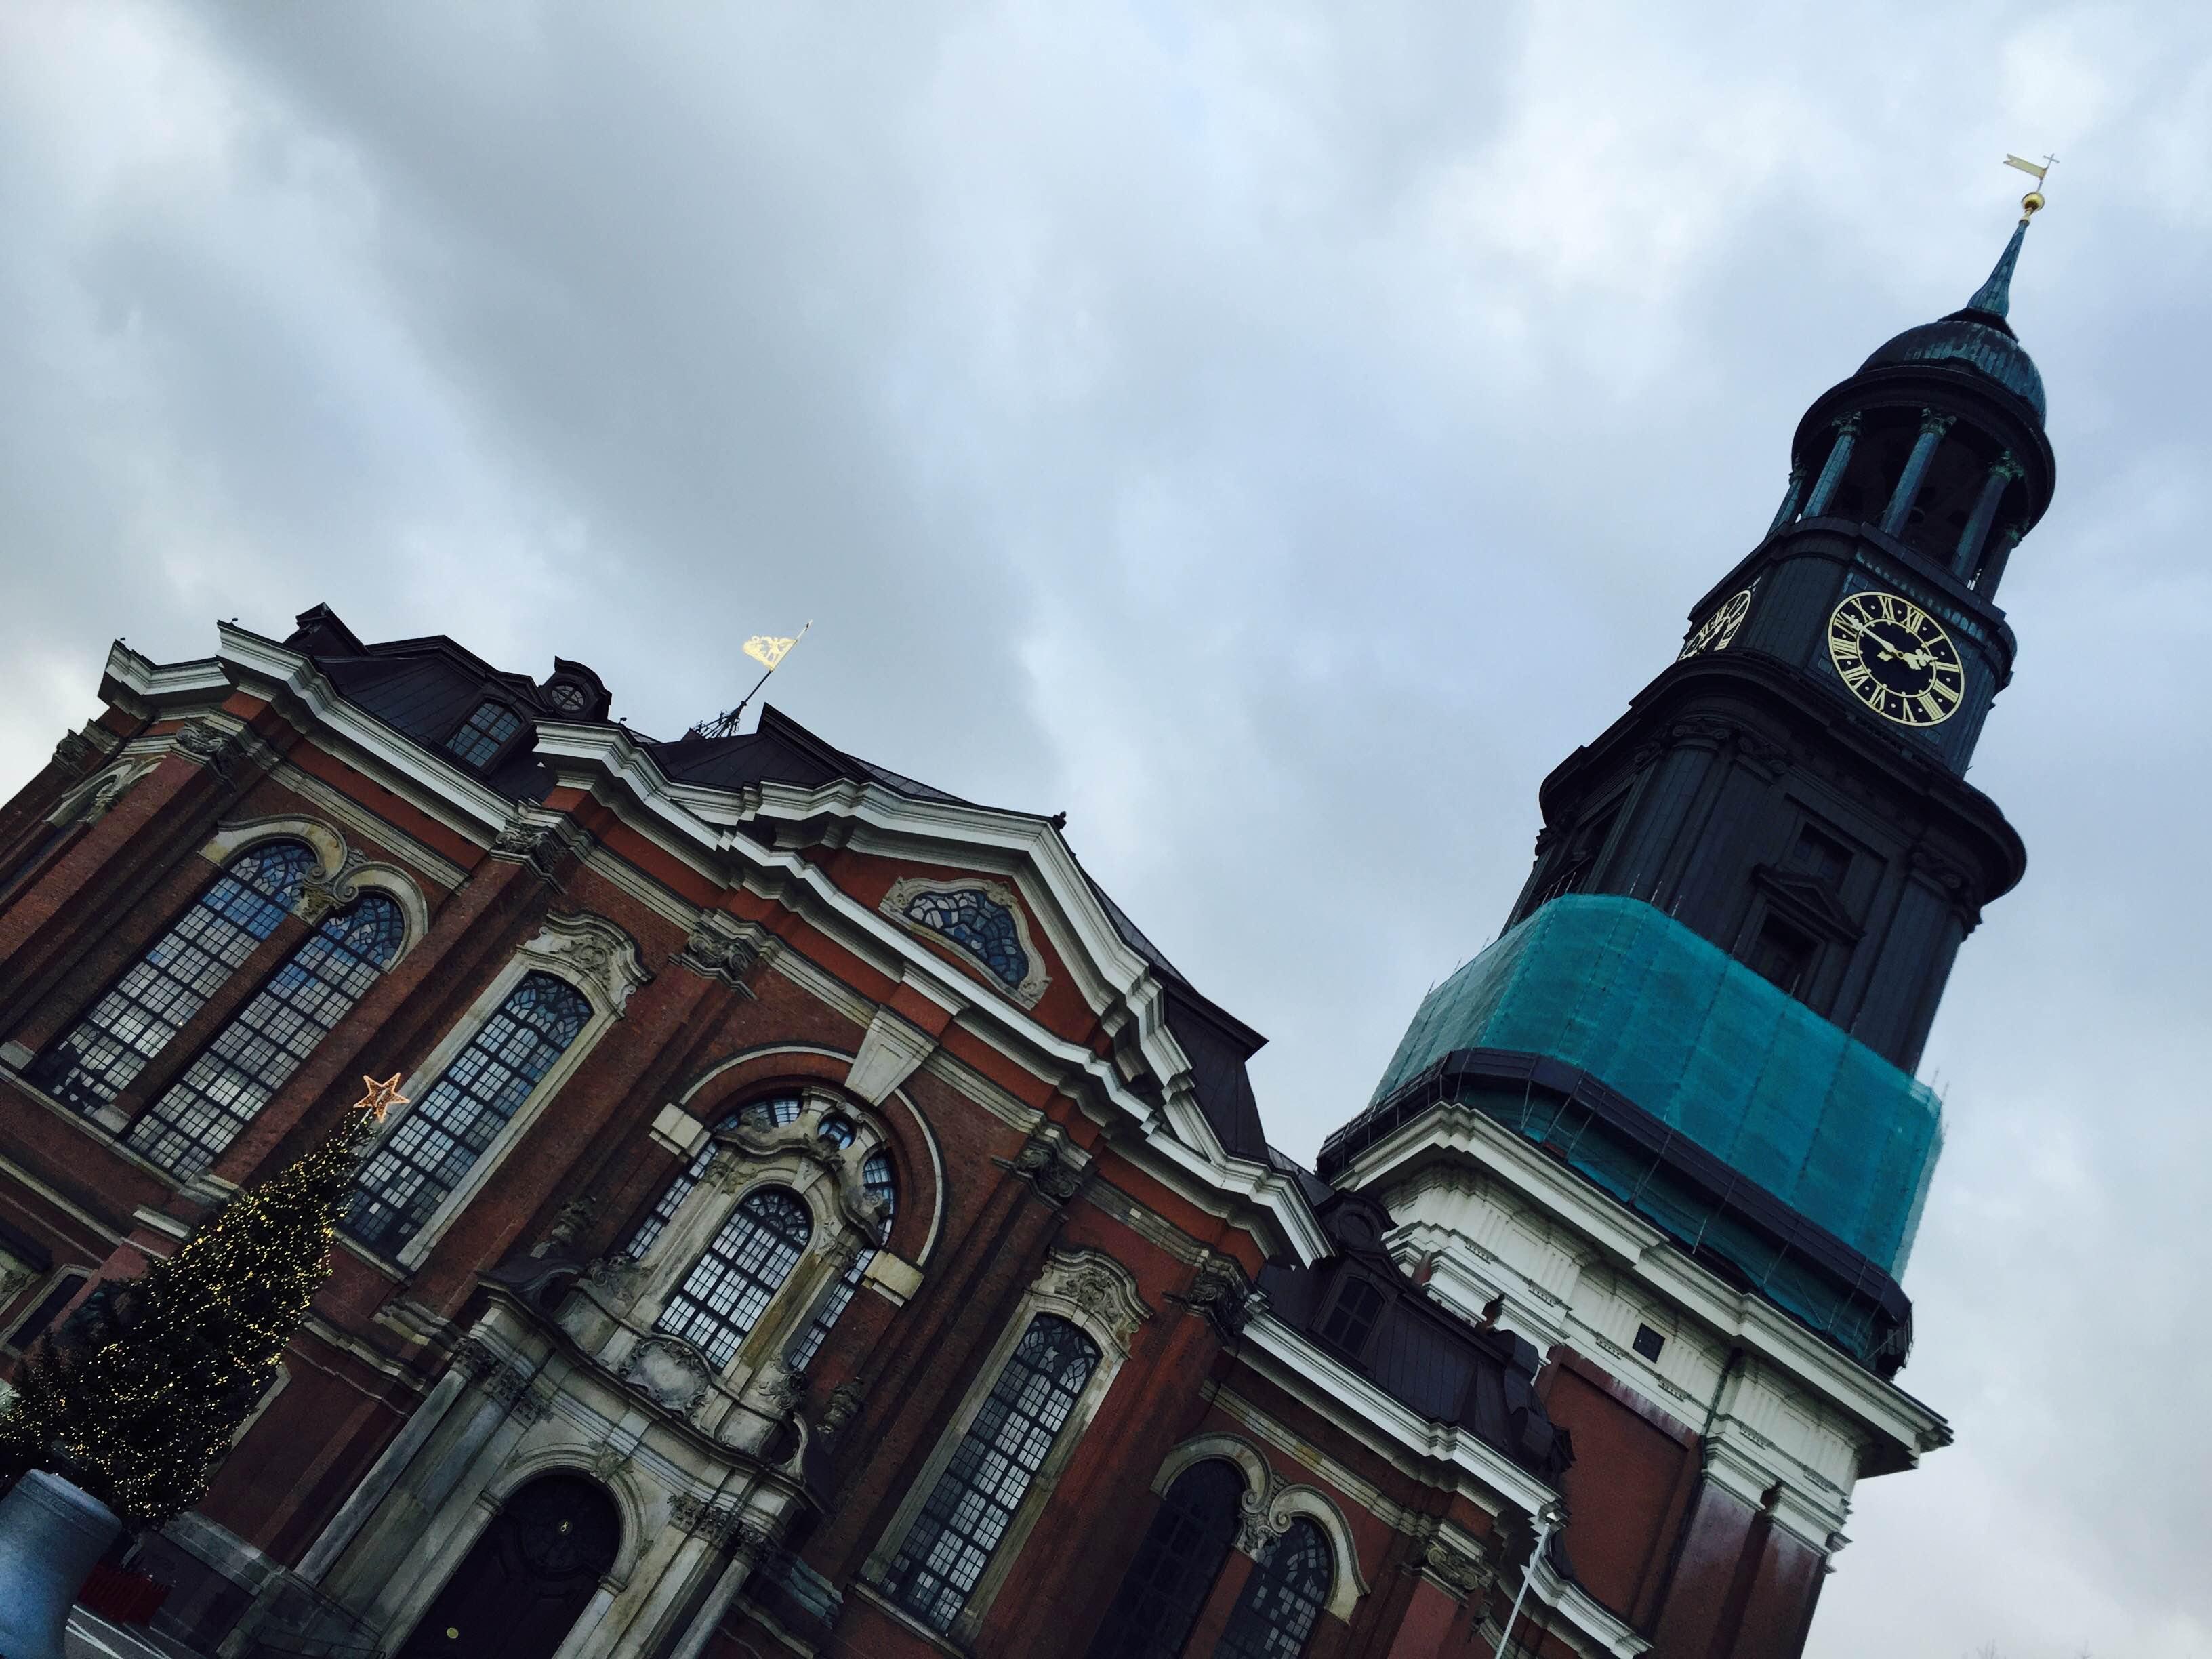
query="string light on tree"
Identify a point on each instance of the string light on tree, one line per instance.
(137, 1398)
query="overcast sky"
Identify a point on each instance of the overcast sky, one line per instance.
(1276, 442)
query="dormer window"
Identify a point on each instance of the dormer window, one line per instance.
(484, 734)
(1353, 1320)
(568, 696)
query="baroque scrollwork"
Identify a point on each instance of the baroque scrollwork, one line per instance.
(591, 949)
(717, 950)
(1220, 1294)
(1047, 1162)
(669, 1373)
(207, 744)
(1094, 1284)
(1463, 1569)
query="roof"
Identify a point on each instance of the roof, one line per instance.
(1976, 337)
(1416, 1350)
(426, 688)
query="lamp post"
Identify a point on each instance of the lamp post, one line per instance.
(1549, 1520)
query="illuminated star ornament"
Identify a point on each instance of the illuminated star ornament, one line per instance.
(381, 1096)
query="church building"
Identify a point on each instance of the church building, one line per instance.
(824, 1222)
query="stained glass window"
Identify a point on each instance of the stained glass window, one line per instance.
(972, 918)
(442, 1138)
(255, 1055)
(876, 1177)
(1282, 1601)
(101, 1056)
(1178, 1561)
(484, 734)
(730, 1286)
(967, 1513)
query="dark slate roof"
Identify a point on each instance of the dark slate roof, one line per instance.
(1976, 337)
(1419, 1352)
(426, 688)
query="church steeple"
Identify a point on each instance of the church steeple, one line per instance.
(1792, 788)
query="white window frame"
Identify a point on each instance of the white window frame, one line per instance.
(1098, 1295)
(588, 953)
(797, 1166)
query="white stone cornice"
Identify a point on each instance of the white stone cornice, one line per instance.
(447, 793)
(1895, 1428)
(1323, 1382)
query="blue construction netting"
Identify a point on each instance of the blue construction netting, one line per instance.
(1710, 1048)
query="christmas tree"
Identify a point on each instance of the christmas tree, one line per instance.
(137, 1398)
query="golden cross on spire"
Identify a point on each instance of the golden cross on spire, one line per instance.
(2033, 199)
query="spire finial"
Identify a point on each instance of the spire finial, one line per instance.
(1994, 297)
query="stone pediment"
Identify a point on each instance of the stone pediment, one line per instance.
(1809, 901)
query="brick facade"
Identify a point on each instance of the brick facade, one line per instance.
(1084, 1152)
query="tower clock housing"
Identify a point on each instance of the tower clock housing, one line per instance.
(1792, 786)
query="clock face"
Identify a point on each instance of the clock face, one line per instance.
(1717, 630)
(1896, 658)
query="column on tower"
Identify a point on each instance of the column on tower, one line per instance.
(1789, 499)
(1993, 566)
(1831, 475)
(1933, 426)
(1971, 539)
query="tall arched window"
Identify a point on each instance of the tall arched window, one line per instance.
(730, 1286)
(952, 1541)
(1282, 1601)
(101, 1056)
(442, 1138)
(1177, 1562)
(253, 1056)
(877, 1177)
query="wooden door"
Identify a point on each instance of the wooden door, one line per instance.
(517, 1594)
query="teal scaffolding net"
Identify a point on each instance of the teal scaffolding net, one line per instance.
(1786, 1100)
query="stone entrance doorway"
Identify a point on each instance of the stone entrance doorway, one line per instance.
(517, 1594)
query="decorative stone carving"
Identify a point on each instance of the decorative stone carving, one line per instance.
(1466, 1573)
(1095, 1284)
(1219, 1294)
(320, 894)
(839, 1409)
(620, 1276)
(76, 751)
(593, 950)
(717, 949)
(205, 744)
(505, 1384)
(669, 1373)
(533, 1405)
(1045, 1161)
(575, 1216)
(983, 920)
(608, 1461)
(773, 1390)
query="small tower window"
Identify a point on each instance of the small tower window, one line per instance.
(1649, 1342)
(1783, 955)
(568, 696)
(1352, 1320)
(1819, 856)
(484, 734)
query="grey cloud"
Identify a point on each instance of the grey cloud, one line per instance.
(1279, 435)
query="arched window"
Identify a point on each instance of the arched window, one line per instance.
(730, 1286)
(484, 734)
(1177, 1562)
(952, 1541)
(672, 1198)
(442, 1138)
(1282, 1600)
(104, 1052)
(877, 1177)
(253, 1056)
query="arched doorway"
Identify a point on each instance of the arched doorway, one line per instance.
(517, 1594)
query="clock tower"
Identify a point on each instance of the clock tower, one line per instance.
(1665, 1127)
(1792, 787)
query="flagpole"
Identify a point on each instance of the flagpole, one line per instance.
(726, 725)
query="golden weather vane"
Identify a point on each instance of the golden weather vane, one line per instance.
(2033, 200)
(769, 650)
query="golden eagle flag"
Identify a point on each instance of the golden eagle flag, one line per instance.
(768, 650)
